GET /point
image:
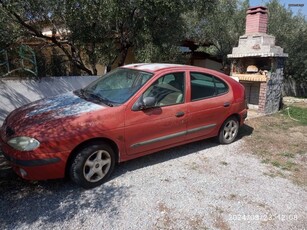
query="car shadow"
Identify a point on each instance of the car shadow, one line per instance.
(245, 130)
(174, 153)
(163, 156)
(56, 201)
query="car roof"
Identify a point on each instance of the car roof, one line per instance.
(154, 67)
(157, 67)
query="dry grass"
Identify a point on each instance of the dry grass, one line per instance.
(165, 221)
(219, 221)
(281, 143)
(170, 219)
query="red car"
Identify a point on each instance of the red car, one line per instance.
(130, 112)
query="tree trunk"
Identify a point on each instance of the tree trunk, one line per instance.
(92, 57)
(93, 63)
(123, 55)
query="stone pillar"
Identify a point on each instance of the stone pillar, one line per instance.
(262, 96)
(274, 87)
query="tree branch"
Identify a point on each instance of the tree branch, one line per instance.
(75, 59)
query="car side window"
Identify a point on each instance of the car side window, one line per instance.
(168, 89)
(221, 87)
(205, 86)
(167, 78)
(202, 86)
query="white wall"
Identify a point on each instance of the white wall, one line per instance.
(15, 93)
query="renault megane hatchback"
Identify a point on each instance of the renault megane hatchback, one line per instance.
(130, 112)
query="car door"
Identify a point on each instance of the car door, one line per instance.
(150, 129)
(209, 105)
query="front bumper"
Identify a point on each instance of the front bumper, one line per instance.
(31, 163)
(32, 166)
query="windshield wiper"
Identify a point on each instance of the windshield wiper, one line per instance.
(82, 92)
(86, 94)
(100, 99)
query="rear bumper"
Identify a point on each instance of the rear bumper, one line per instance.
(243, 116)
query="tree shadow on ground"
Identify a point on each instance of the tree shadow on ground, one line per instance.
(57, 201)
(54, 202)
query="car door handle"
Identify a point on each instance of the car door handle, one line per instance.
(179, 114)
(226, 104)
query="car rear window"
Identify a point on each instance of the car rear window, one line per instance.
(205, 86)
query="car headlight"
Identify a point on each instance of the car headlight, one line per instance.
(24, 143)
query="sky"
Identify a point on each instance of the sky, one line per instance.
(286, 3)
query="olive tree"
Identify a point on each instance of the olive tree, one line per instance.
(221, 26)
(290, 31)
(102, 31)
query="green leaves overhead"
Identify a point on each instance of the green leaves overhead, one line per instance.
(102, 31)
(290, 31)
(221, 26)
(92, 32)
(9, 32)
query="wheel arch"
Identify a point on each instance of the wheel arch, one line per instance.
(235, 115)
(75, 151)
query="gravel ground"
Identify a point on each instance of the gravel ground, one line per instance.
(197, 186)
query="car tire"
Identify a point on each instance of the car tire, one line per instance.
(229, 131)
(92, 165)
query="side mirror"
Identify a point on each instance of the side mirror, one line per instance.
(146, 103)
(149, 102)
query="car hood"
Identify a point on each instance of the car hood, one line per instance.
(60, 107)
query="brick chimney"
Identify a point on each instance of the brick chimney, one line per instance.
(256, 20)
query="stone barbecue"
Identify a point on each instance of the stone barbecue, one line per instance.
(258, 63)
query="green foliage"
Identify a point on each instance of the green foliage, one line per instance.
(102, 31)
(221, 25)
(9, 32)
(290, 31)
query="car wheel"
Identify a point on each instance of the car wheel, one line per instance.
(229, 131)
(92, 165)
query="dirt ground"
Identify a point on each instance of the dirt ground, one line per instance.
(280, 141)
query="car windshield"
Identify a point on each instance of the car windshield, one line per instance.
(116, 87)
